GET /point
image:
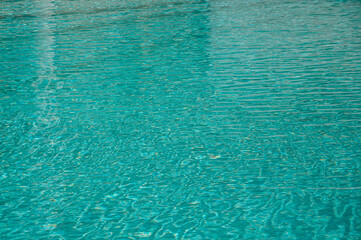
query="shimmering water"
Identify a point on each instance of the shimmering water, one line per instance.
(180, 119)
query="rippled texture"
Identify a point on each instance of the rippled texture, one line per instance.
(180, 119)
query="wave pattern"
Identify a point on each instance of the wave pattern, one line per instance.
(180, 120)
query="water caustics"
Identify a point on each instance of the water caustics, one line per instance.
(180, 119)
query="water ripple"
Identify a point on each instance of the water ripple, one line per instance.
(180, 120)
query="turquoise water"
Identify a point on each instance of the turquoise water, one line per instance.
(180, 119)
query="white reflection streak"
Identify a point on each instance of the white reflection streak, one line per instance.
(46, 68)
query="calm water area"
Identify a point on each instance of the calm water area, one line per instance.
(155, 119)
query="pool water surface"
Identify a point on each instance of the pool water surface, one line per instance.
(180, 119)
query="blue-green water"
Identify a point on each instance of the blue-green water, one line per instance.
(180, 119)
